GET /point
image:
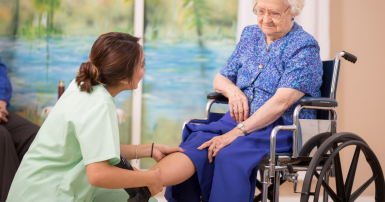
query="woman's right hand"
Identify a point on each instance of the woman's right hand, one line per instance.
(238, 104)
(156, 183)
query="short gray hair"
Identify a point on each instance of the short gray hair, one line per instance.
(296, 5)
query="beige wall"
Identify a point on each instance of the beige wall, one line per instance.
(358, 27)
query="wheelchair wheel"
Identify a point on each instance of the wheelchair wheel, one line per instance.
(314, 142)
(335, 144)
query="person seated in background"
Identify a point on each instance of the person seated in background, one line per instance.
(16, 135)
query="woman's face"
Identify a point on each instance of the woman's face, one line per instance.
(138, 75)
(272, 18)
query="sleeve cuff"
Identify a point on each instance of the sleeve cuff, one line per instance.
(112, 160)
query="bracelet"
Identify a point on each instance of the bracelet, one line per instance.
(136, 153)
(152, 149)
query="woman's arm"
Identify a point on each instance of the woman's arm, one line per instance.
(264, 116)
(272, 109)
(102, 174)
(128, 151)
(237, 98)
(144, 151)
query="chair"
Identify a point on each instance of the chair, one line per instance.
(277, 168)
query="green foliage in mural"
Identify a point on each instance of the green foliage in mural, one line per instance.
(190, 20)
(196, 14)
(33, 19)
(47, 7)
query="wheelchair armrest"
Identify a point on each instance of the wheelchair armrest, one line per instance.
(318, 102)
(217, 96)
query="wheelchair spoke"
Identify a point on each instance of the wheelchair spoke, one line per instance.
(329, 190)
(352, 173)
(339, 178)
(259, 185)
(359, 191)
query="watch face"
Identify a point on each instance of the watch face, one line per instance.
(240, 125)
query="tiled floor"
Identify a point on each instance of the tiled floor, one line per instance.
(294, 199)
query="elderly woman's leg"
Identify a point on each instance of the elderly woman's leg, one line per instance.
(235, 165)
(175, 169)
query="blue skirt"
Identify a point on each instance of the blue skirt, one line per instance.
(232, 175)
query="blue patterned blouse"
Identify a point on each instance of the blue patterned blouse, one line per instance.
(292, 61)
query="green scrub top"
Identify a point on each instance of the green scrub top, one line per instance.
(81, 129)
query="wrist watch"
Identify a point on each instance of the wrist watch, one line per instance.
(240, 126)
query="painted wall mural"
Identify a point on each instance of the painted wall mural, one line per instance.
(45, 41)
(186, 42)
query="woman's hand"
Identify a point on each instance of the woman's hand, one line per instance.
(156, 184)
(3, 111)
(219, 142)
(160, 151)
(238, 104)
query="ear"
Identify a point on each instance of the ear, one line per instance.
(293, 15)
(124, 81)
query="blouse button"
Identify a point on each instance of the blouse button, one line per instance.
(267, 49)
(260, 66)
(251, 97)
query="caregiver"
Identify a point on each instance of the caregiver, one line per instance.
(75, 150)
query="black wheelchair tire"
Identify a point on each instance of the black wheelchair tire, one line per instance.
(335, 144)
(315, 141)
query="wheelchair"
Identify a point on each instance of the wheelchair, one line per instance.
(277, 168)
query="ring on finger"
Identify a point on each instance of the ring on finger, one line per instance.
(215, 147)
(234, 108)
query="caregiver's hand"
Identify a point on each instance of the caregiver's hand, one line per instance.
(156, 184)
(219, 142)
(238, 104)
(160, 151)
(3, 111)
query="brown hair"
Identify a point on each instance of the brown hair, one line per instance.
(114, 56)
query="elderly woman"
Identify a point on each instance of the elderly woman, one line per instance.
(275, 64)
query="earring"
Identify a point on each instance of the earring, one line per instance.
(292, 19)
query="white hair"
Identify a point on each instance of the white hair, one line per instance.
(296, 5)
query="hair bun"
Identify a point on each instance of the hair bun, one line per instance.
(89, 75)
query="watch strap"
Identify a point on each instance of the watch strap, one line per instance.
(240, 126)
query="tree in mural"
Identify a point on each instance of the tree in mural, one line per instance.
(196, 14)
(15, 23)
(48, 8)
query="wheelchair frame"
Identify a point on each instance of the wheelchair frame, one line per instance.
(272, 166)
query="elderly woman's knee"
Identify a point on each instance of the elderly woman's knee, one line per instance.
(224, 157)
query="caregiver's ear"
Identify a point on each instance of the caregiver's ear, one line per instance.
(124, 81)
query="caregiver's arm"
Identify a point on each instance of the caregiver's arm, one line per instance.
(128, 151)
(236, 97)
(144, 151)
(272, 109)
(102, 174)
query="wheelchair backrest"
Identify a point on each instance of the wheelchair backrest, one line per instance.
(327, 77)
